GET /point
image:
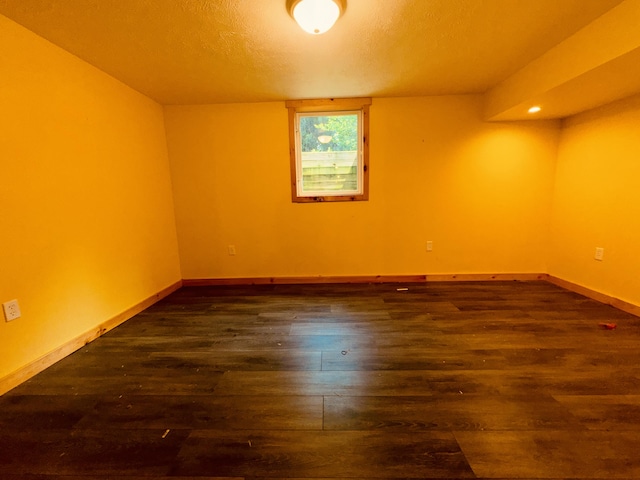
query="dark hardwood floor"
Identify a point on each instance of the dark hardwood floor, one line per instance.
(445, 380)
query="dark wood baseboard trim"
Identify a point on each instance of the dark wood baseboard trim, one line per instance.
(464, 277)
(595, 295)
(25, 373)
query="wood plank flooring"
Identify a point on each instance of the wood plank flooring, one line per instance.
(444, 380)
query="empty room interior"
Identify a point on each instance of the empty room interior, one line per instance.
(186, 294)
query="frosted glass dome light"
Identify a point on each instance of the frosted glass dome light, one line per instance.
(316, 16)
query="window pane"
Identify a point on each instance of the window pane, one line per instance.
(329, 154)
(329, 149)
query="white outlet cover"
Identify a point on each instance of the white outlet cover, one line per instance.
(11, 310)
(599, 253)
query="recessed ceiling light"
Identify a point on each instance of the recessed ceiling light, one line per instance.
(535, 109)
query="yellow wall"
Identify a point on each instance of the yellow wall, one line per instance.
(597, 201)
(480, 191)
(88, 215)
(86, 210)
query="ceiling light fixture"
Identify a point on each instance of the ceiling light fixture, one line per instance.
(534, 109)
(316, 16)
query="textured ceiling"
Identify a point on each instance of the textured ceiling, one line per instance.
(214, 51)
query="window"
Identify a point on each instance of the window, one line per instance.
(329, 148)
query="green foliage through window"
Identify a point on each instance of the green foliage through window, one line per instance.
(339, 132)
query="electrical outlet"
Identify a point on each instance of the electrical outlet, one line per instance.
(232, 250)
(599, 254)
(11, 310)
(429, 246)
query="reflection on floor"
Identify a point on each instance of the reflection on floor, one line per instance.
(443, 380)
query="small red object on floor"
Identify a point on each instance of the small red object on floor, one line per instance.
(608, 326)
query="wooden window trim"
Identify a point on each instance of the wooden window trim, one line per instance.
(329, 105)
